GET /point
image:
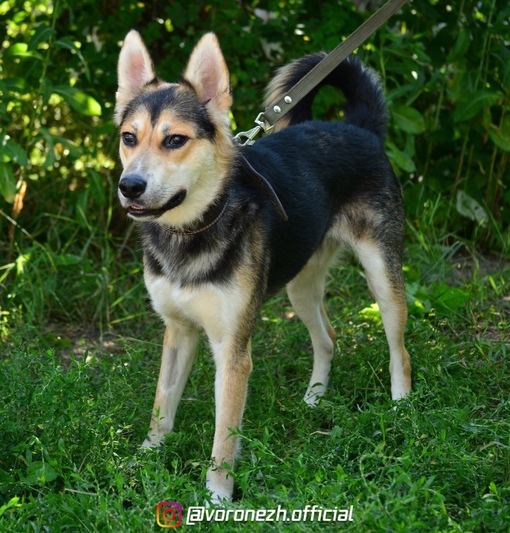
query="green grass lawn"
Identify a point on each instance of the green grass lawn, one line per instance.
(73, 413)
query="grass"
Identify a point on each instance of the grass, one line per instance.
(72, 415)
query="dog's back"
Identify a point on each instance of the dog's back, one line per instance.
(326, 173)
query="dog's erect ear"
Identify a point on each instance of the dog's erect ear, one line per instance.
(134, 71)
(208, 73)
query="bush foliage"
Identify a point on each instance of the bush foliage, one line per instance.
(446, 69)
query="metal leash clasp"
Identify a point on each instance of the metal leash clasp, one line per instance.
(249, 136)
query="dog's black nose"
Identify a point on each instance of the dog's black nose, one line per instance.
(132, 186)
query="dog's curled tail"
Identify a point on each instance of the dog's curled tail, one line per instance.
(365, 107)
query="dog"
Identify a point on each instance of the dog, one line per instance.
(224, 227)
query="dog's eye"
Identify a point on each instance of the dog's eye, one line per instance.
(174, 141)
(129, 139)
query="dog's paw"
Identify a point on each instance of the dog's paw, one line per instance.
(220, 487)
(314, 394)
(152, 441)
(215, 500)
(398, 392)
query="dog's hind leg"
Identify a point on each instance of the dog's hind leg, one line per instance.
(179, 349)
(306, 294)
(385, 280)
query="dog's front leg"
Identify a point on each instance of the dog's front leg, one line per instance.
(179, 349)
(233, 367)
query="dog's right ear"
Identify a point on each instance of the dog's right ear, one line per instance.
(134, 71)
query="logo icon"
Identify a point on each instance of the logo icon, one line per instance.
(169, 514)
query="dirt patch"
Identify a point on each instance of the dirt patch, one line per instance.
(71, 341)
(464, 268)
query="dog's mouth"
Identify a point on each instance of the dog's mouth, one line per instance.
(136, 210)
(139, 211)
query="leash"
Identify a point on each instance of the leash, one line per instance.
(268, 118)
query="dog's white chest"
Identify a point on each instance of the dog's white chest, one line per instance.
(210, 307)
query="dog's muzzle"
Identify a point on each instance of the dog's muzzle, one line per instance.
(132, 188)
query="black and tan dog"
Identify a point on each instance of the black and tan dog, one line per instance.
(225, 227)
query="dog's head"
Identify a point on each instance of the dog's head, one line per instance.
(175, 138)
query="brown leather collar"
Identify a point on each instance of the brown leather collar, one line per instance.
(212, 215)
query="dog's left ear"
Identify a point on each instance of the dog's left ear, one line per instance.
(134, 71)
(207, 72)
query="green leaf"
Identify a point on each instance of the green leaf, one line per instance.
(13, 151)
(43, 33)
(67, 259)
(68, 44)
(79, 100)
(15, 84)
(372, 313)
(13, 502)
(460, 47)
(408, 119)
(38, 473)
(418, 298)
(450, 298)
(21, 50)
(7, 182)
(402, 159)
(501, 136)
(47, 90)
(20, 16)
(471, 104)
